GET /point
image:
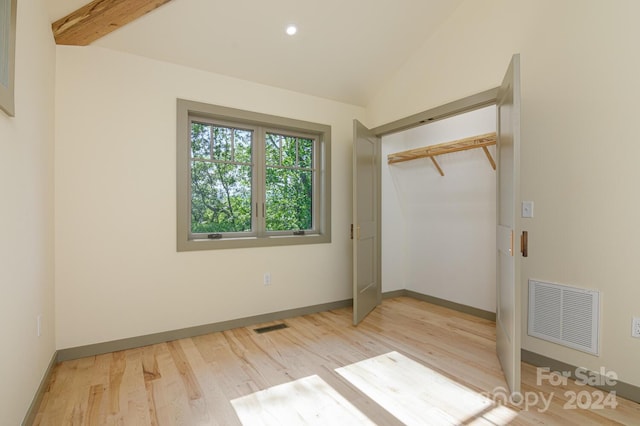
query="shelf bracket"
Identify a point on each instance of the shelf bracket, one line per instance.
(435, 163)
(489, 157)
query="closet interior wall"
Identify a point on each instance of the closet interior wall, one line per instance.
(438, 232)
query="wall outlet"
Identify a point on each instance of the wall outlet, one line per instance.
(267, 278)
(635, 327)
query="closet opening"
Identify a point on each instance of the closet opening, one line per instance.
(439, 214)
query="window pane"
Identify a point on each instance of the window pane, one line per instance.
(222, 143)
(220, 197)
(289, 151)
(289, 199)
(305, 153)
(272, 149)
(200, 140)
(242, 146)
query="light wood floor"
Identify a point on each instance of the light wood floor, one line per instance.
(192, 381)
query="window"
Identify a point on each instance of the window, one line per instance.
(246, 179)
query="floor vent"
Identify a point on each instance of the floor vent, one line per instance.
(565, 315)
(270, 328)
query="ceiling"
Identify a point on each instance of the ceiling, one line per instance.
(344, 50)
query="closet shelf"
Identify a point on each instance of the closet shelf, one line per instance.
(481, 141)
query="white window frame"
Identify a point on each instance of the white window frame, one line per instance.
(188, 111)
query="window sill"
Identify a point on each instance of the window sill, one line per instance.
(250, 242)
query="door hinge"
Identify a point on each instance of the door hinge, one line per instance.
(352, 231)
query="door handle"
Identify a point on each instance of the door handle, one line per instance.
(524, 244)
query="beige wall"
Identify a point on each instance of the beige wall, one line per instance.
(580, 150)
(26, 217)
(116, 269)
(118, 273)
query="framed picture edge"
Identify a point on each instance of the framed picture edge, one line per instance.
(7, 97)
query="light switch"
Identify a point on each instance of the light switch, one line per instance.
(527, 209)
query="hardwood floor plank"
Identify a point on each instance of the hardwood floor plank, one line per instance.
(133, 395)
(171, 401)
(115, 380)
(193, 381)
(82, 375)
(309, 401)
(194, 393)
(96, 395)
(218, 408)
(413, 392)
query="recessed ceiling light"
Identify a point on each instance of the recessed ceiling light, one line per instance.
(292, 29)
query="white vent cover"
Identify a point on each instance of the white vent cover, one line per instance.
(564, 315)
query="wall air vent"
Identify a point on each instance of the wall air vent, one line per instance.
(565, 315)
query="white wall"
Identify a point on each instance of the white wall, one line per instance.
(26, 217)
(118, 273)
(580, 92)
(439, 232)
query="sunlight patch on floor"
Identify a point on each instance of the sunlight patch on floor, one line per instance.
(307, 401)
(417, 395)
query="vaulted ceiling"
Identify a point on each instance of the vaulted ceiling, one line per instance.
(344, 49)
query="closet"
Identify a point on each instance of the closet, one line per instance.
(439, 209)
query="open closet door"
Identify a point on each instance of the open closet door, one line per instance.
(507, 195)
(367, 291)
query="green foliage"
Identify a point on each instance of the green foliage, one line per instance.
(221, 175)
(289, 199)
(220, 179)
(289, 182)
(220, 197)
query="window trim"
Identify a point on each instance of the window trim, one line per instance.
(187, 109)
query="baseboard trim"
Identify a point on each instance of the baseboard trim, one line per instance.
(166, 336)
(395, 293)
(30, 417)
(476, 312)
(622, 389)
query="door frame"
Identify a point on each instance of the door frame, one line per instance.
(460, 106)
(451, 109)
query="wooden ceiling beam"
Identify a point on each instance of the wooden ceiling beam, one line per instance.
(99, 18)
